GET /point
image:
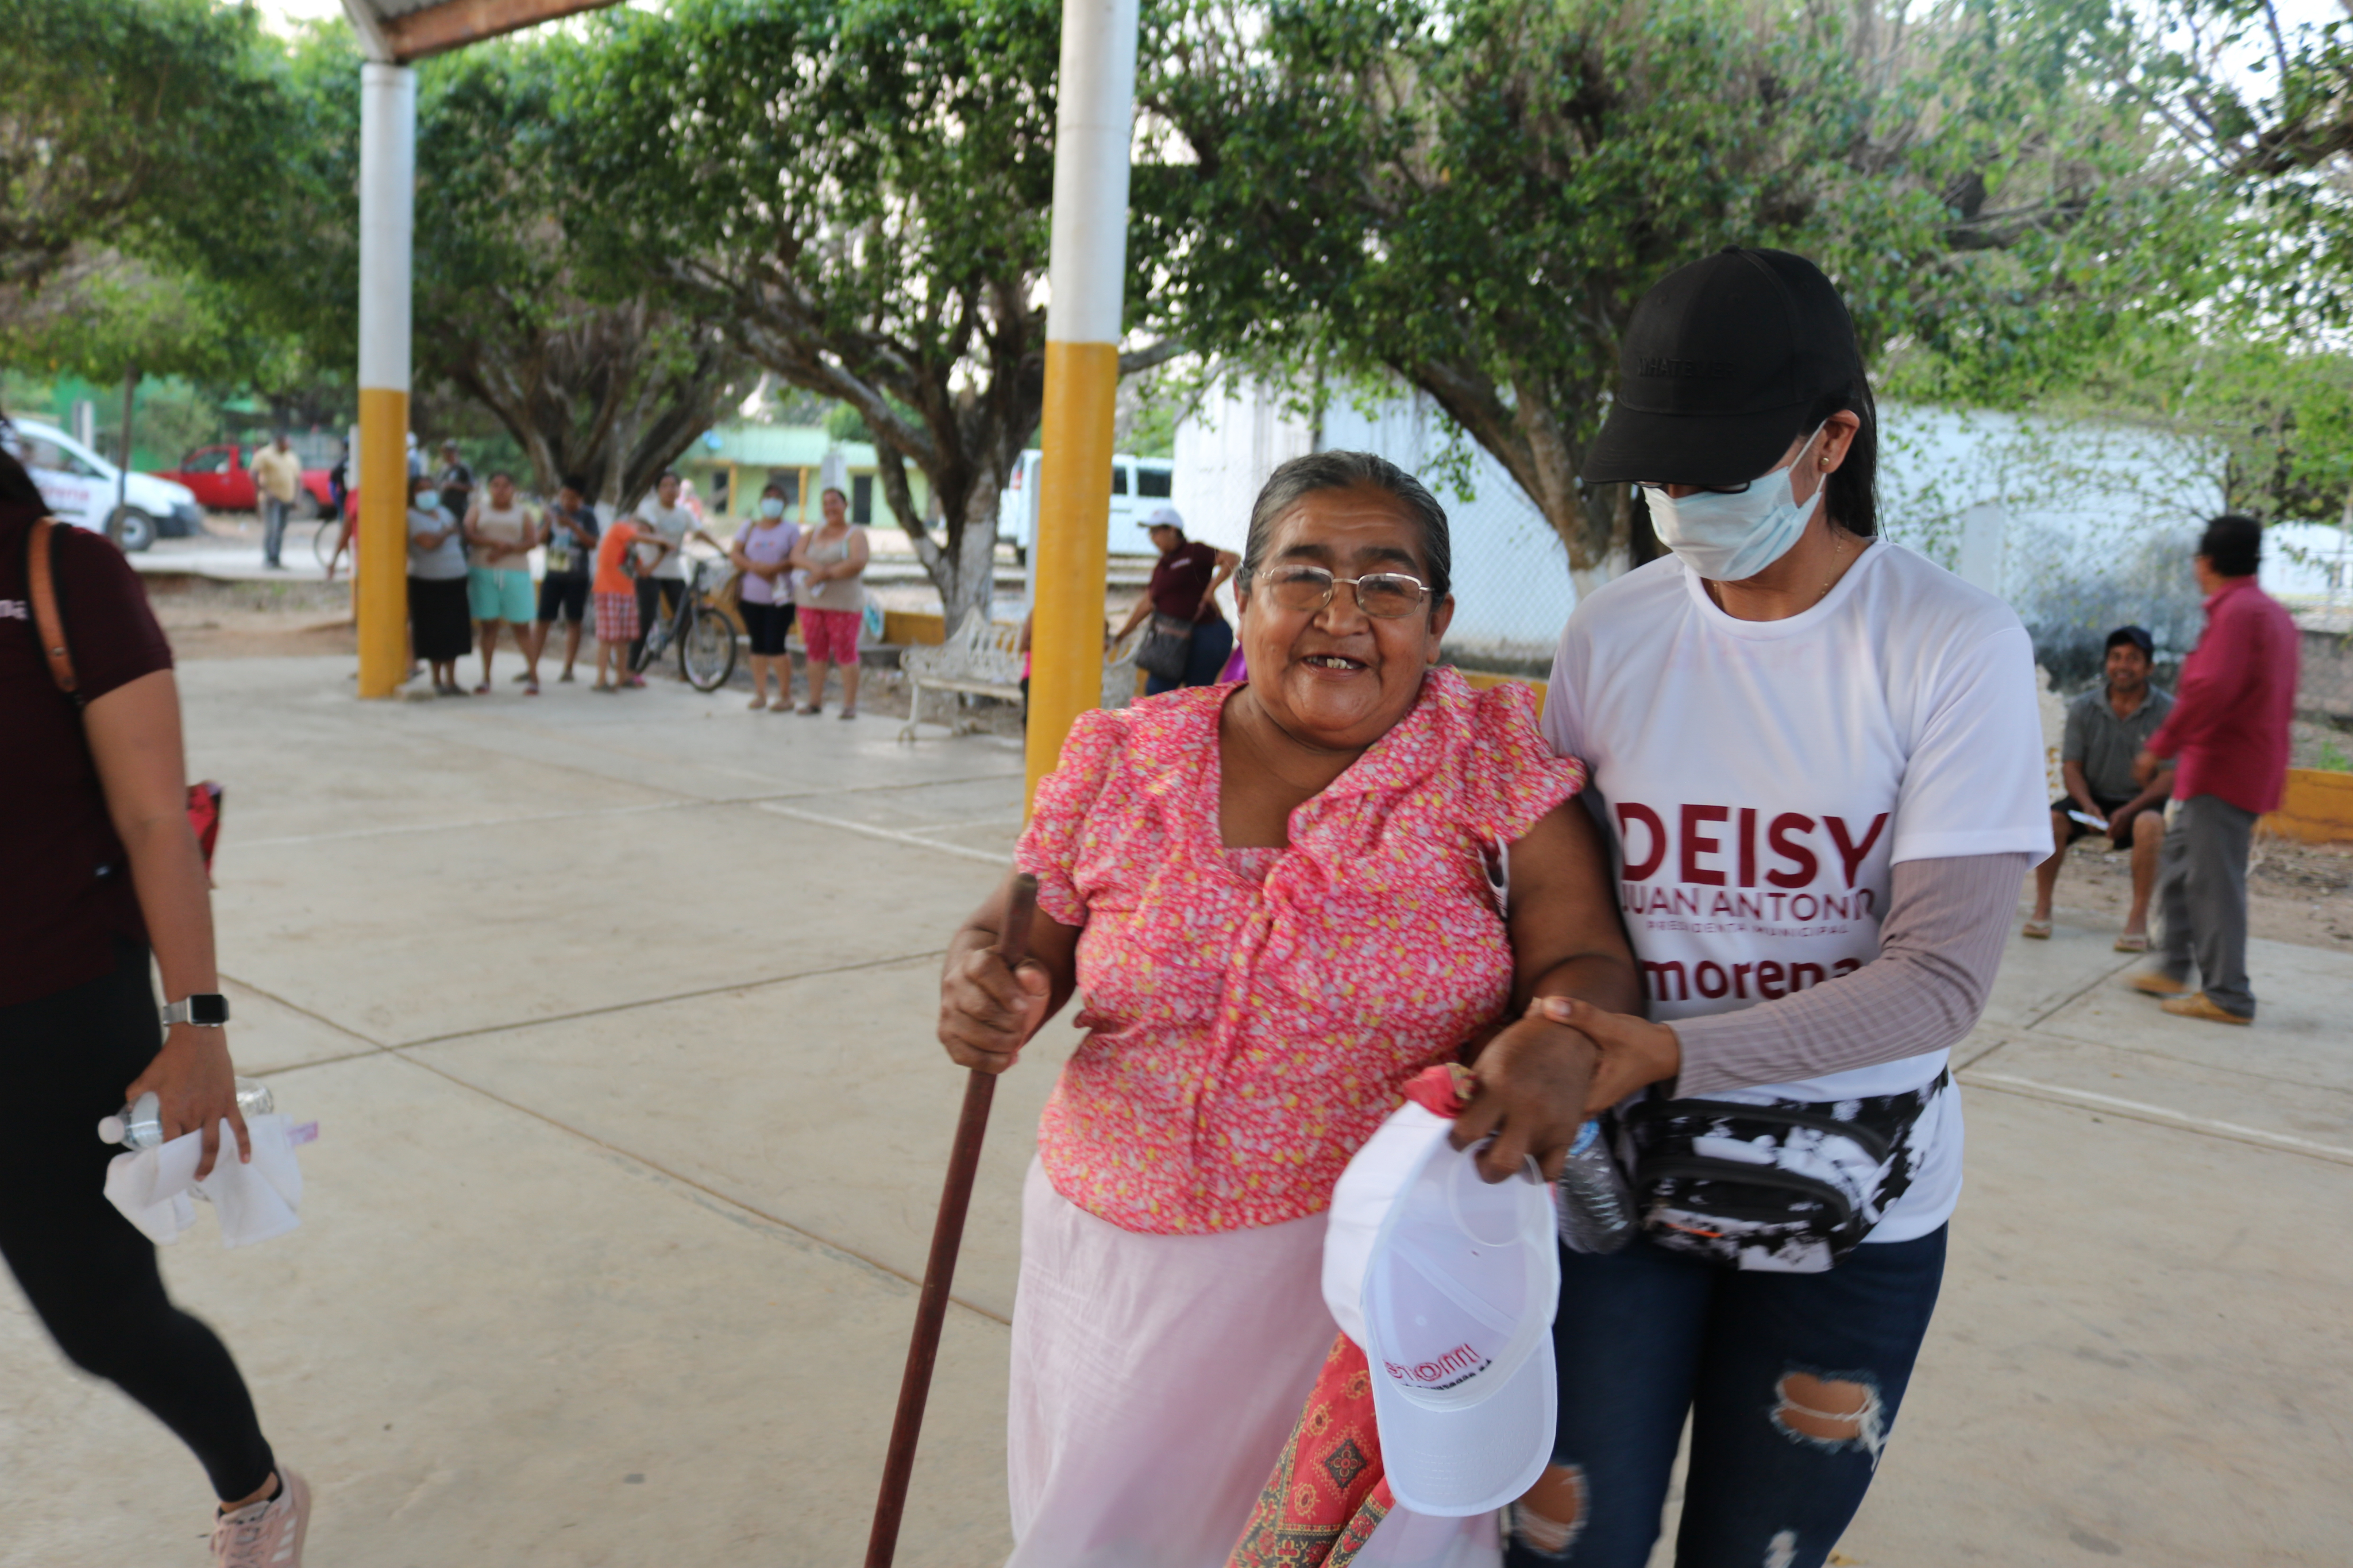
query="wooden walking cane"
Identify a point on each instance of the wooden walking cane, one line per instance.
(939, 1272)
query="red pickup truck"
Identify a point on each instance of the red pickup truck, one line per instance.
(223, 481)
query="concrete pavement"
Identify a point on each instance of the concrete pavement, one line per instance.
(615, 1013)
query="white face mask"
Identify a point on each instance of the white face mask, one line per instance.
(1731, 538)
(771, 507)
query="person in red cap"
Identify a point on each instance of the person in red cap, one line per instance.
(2229, 729)
(1821, 760)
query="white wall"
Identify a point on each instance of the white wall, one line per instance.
(1511, 588)
(2070, 522)
(1224, 450)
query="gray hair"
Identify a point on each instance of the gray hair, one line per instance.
(1302, 477)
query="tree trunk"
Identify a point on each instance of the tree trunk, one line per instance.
(963, 566)
(976, 551)
(1525, 434)
(580, 400)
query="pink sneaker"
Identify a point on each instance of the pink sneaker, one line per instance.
(266, 1534)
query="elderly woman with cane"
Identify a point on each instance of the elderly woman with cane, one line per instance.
(1276, 899)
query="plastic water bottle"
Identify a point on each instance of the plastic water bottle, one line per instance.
(140, 1124)
(1597, 1209)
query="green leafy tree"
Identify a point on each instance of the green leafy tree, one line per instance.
(115, 116)
(511, 328)
(107, 315)
(1471, 196)
(860, 193)
(586, 373)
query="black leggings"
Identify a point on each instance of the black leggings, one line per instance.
(767, 625)
(669, 590)
(86, 1269)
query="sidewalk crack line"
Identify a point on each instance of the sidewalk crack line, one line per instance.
(2084, 1099)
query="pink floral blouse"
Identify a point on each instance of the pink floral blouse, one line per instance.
(1252, 1019)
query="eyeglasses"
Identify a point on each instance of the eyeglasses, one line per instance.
(1304, 590)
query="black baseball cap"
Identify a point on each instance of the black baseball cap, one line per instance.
(2137, 636)
(1722, 364)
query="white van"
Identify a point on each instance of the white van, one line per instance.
(79, 486)
(1139, 486)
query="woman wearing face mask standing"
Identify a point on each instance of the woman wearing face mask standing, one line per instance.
(1819, 761)
(763, 553)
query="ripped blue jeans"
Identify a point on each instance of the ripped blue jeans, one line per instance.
(1791, 1381)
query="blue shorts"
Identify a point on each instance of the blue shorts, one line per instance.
(494, 595)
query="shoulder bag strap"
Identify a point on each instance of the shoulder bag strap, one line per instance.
(41, 588)
(49, 625)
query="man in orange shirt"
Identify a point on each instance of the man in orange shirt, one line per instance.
(615, 598)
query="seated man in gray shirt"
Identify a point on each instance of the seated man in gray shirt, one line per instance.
(2106, 728)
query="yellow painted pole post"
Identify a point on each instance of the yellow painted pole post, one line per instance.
(1086, 271)
(387, 221)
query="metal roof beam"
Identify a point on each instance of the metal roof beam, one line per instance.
(436, 29)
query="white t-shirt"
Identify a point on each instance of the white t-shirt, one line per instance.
(1760, 778)
(671, 523)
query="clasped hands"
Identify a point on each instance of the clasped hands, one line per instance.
(1561, 1063)
(1538, 1080)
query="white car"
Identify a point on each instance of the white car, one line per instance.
(80, 488)
(1139, 486)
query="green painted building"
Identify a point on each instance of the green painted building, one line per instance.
(729, 466)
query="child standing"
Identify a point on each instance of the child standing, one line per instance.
(616, 604)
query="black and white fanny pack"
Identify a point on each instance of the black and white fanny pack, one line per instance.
(1789, 1186)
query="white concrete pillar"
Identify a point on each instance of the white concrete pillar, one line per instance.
(1094, 123)
(387, 225)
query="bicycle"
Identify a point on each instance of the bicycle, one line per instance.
(702, 627)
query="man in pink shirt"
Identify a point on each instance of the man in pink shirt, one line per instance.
(2229, 727)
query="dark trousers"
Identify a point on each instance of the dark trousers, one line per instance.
(2201, 886)
(669, 591)
(1646, 1336)
(273, 527)
(1205, 657)
(91, 1277)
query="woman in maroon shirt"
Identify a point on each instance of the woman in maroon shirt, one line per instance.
(102, 864)
(1184, 586)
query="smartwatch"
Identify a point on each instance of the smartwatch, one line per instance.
(206, 1010)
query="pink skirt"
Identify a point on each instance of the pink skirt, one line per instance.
(1155, 1380)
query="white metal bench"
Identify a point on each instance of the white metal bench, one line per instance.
(983, 658)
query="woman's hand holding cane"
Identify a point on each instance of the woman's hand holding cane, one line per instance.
(989, 1009)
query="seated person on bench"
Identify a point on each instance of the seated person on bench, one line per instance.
(2106, 728)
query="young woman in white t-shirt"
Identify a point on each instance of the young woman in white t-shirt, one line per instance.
(1818, 758)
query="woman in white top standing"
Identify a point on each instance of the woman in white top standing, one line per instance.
(500, 532)
(1819, 761)
(831, 598)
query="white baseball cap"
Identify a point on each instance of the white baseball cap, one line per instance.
(1165, 517)
(1449, 1284)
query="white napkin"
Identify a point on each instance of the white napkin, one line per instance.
(255, 1202)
